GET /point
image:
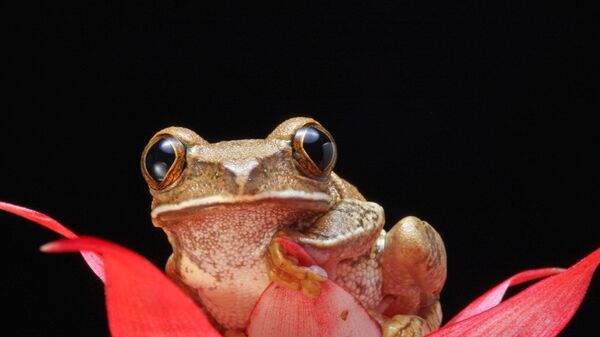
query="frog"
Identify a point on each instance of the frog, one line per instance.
(223, 205)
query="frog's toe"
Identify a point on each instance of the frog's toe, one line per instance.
(284, 270)
(404, 326)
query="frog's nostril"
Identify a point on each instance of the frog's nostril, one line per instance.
(241, 167)
(241, 171)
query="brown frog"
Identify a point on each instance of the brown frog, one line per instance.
(221, 205)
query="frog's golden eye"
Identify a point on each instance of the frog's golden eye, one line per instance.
(163, 161)
(314, 150)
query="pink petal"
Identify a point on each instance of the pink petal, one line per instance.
(542, 310)
(284, 312)
(92, 259)
(140, 300)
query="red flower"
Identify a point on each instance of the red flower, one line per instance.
(156, 307)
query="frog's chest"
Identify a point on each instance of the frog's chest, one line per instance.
(228, 294)
(220, 257)
(226, 275)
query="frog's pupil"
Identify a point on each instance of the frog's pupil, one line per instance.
(160, 157)
(319, 147)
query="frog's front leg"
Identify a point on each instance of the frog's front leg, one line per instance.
(414, 272)
(346, 231)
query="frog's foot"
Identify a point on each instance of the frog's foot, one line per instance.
(285, 270)
(234, 333)
(404, 326)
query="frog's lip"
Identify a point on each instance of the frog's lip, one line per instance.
(316, 200)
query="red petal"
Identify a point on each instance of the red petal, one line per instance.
(140, 300)
(92, 259)
(494, 296)
(284, 312)
(542, 310)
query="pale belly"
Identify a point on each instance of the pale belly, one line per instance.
(220, 255)
(228, 295)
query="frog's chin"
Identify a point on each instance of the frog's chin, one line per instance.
(300, 200)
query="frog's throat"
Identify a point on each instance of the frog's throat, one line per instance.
(314, 199)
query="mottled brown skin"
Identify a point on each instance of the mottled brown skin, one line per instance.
(232, 198)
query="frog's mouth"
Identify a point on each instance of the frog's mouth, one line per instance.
(312, 202)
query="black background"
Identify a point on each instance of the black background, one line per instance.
(476, 117)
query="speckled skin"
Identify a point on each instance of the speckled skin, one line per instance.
(233, 197)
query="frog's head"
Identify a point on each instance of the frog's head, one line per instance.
(273, 182)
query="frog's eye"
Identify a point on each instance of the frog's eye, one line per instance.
(314, 150)
(163, 161)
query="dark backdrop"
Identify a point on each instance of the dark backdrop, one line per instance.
(476, 117)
